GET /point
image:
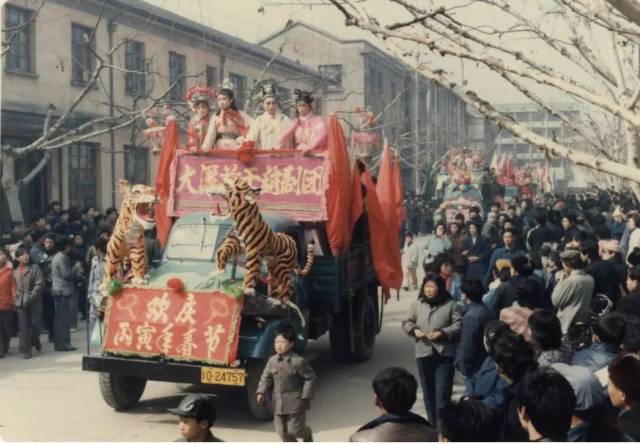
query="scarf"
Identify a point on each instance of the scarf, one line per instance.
(236, 118)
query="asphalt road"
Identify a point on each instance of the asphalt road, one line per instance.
(49, 397)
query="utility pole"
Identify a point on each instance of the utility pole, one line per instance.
(111, 29)
(416, 124)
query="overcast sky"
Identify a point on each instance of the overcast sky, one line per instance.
(253, 20)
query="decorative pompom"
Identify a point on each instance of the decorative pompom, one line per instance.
(245, 153)
(114, 286)
(175, 284)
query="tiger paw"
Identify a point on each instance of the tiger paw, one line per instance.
(139, 281)
(216, 274)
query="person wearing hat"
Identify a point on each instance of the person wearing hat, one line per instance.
(266, 129)
(229, 126)
(201, 100)
(572, 295)
(308, 131)
(196, 417)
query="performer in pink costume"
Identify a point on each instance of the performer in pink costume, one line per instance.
(308, 131)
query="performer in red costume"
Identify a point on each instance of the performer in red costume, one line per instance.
(201, 99)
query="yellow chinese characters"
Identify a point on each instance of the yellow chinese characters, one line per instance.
(157, 309)
(188, 310)
(213, 338)
(186, 348)
(145, 333)
(124, 334)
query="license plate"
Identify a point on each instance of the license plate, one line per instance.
(223, 376)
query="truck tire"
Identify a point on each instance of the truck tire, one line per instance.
(264, 411)
(365, 328)
(339, 337)
(121, 391)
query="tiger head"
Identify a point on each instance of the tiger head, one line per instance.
(141, 201)
(238, 194)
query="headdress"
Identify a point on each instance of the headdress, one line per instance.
(199, 93)
(303, 96)
(228, 85)
(267, 90)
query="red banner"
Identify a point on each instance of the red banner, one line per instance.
(290, 183)
(188, 326)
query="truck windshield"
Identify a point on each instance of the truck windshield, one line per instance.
(195, 241)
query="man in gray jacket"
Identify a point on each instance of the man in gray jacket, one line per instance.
(572, 295)
(29, 283)
(62, 274)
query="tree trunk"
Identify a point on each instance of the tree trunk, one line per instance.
(11, 189)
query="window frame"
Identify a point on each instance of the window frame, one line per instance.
(29, 32)
(135, 83)
(90, 57)
(211, 82)
(177, 73)
(78, 185)
(240, 93)
(130, 158)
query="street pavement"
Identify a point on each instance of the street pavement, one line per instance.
(49, 397)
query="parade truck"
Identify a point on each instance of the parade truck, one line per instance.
(458, 183)
(187, 323)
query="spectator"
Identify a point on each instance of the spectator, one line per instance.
(572, 295)
(546, 403)
(44, 262)
(603, 273)
(514, 358)
(434, 321)
(468, 420)
(522, 288)
(624, 392)
(617, 227)
(436, 244)
(612, 253)
(96, 275)
(53, 214)
(509, 251)
(546, 337)
(475, 218)
(569, 228)
(476, 250)
(501, 274)
(63, 227)
(78, 255)
(410, 259)
(62, 275)
(443, 266)
(196, 417)
(40, 222)
(608, 335)
(486, 384)
(457, 238)
(29, 284)
(593, 418)
(475, 316)
(631, 302)
(541, 233)
(88, 219)
(633, 223)
(395, 392)
(7, 300)
(490, 230)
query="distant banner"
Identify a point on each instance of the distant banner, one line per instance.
(189, 326)
(289, 183)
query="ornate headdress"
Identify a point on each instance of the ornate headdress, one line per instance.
(199, 93)
(303, 96)
(267, 90)
(227, 84)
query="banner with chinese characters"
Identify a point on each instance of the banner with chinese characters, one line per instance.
(188, 326)
(289, 183)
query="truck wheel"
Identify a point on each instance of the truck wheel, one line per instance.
(339, 338)
(264, 411)
(121, 391)
(365, 326)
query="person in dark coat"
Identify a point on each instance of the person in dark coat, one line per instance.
(608, 335)
(521, 288)
(197, 415)
(477, 251)
(604, 274)
(541, 233)
(631, 302)
(624, 392)
(471, 352)
(29, 284)
(469, 420)
(509, 251)
(395, 391)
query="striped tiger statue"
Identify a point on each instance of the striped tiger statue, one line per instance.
(259, 242)
(126, 245)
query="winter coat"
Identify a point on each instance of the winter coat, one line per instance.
(28, 286)
(471, 352)
(444, 317)
(396, 428)
(597, 356)
(7, 288)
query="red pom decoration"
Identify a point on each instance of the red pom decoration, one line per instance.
(245, 153)
(175, 284)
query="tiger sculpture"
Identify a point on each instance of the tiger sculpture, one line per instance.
(259, 242)
(126, 245)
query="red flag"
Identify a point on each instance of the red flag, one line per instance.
(386, 194)
(163, 179)
(401, 211)
(339, 190)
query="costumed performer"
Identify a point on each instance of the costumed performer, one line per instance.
(228, 127)
(308, 131)
(267, 129)
(201, 100)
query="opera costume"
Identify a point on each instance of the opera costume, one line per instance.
(307, 132)
(228, 127)
(267, 129)
(198, 126)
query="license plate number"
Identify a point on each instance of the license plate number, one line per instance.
(223, 376)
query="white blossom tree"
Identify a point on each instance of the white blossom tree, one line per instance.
(594, 41)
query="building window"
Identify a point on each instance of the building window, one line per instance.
(332, 75)
(135, 78)
(212, 76)
(240, 84)
(177, 72)
(83, 174)
(81, 56)
(522, 116)
(136, 164)
(284, 99)
(20, 55)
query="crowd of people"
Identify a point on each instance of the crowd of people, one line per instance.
(537, 306)
(50, 275)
